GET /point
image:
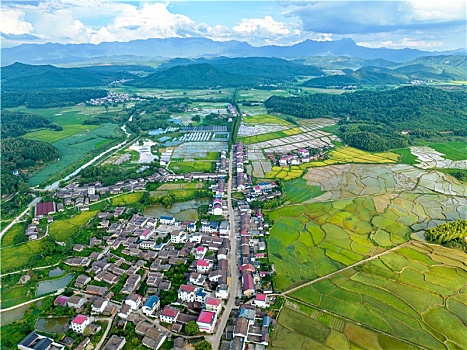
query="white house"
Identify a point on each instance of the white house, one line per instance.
(203, 266)
(224, 228)
(196, 238)
(222, 291)
(178, 237)
(213, 304)
(134, 301)
(124, 311)
(200, 295)
(169, 314)
(207, 321)
(79, 323)
(200, 252)
(261, 300)
(186, 293)
(99, 305)
(147, 245)
(151, 305)
(167, 220)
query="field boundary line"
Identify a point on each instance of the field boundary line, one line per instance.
(354, 322)
(346, 268)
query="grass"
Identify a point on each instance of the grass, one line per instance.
(406, 157)
(61, 230)
(451, 150)
(17, 256)
(409, 308)
(7, 239)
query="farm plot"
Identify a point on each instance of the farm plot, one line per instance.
(189, 151)
(416, 293)
(266, 119)
(324, 330)
(428, 157)
(312, 240)
(284, 173)
(316, 124)
(61, 230)
(74, 148)
(351, 180)
(313, 139)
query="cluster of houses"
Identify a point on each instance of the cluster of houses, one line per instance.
(253, 250)
(221, 165)
(153, 246)
(112, 97)
(243, 180)
(299, 156)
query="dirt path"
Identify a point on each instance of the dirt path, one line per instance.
(345, 268)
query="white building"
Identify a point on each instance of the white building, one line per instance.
(186, 293)
(178, 237)
(79, 323)
(151, 305)
(169, 314)
(134, 301)
(207, 321)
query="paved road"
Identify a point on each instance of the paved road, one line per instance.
(346, 268)
(216, 338)
(107, 330)
(20, 216)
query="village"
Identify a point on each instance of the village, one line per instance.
(162, 275)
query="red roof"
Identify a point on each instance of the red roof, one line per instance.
(213, 301)
(261, 297)
(247, 267)
(201, 249)
(60, 300)
(206, 317)
(187, 288)
(170, 311)
(145, 233)
(79, 319)
(45, 208)
(248, 283)
(202, 262)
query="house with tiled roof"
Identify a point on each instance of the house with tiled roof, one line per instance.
(79, 323)
(207, 321)
(169, 314)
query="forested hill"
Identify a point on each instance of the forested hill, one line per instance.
(21, 154)
(374, 120)
(20, 76)
(225, 72)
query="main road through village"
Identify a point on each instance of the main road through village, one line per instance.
(216, 338)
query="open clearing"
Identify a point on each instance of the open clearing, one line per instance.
(416, 293)
(61, 230)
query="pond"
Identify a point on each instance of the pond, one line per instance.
(184, 211)
(53, 285)
(56, 272)
(51, 325)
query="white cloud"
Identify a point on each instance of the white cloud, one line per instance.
(13, 22)
(262, 26)
(404, 43)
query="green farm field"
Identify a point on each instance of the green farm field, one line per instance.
(51, 136)
(74, 148)
(61, 230)
(451, 150)
(416, 293)
(266, 119)
(17, 256)
(406, 157)
(126, 199)
(7, 239)
(188, 167)
(325, 331)
(248, 140)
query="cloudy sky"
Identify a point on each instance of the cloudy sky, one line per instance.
(433, 25)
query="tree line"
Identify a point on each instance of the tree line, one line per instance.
(49, 98)
(18, 123)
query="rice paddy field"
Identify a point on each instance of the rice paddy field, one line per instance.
(128, 198)
(354, 211)
(310, 328)
(17, 256)
(442, 156)
(269, 136)
(265, 119)
(189, 167)
(416, 293)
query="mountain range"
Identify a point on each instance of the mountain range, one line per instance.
(140, 50)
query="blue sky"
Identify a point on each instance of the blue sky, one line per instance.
(433, 25)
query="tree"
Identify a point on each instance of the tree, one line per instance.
(192, 328)
(203, 345)
(47, 246)
(20, 238)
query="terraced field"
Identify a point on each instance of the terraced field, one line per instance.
(417, 293)
(363, 211)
